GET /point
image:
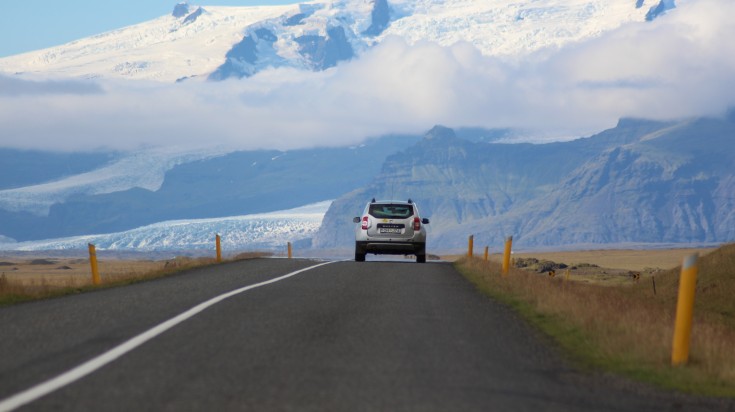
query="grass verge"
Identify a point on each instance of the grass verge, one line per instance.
(13, 291)
(626, 329)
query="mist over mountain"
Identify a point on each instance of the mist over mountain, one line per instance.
(330, 73)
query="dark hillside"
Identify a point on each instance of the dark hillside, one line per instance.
(19, 168)
(641, 182)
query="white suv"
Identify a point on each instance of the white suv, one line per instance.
(390, 227)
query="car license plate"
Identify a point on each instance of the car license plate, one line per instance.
(382, 230)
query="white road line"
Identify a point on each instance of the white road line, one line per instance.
(66, 378)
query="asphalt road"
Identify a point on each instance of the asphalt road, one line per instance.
(346, 336)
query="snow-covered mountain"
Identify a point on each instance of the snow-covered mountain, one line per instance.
(140, 188)
(163, 49)
(210, 42)
(267, 231)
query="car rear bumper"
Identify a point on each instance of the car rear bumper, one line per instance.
(391, 248)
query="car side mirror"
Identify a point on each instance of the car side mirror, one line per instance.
(355, 220)
(425, 221)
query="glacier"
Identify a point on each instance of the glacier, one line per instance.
(263, 232)
(184, 46)
(145, 169)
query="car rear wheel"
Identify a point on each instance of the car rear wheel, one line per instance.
(420, 258)
(359, 256)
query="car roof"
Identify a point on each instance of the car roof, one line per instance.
(402, 202)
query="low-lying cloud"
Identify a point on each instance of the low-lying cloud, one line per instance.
(13, 86)
(680, 65)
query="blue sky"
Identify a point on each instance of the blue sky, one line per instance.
(27, 25)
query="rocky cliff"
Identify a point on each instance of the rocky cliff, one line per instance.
(643, 182)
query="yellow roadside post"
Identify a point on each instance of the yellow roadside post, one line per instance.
(486, 253)
(470, 246)
(506, 255)
(290, 250)
(219, 249)
(93, 264)
(684, 311)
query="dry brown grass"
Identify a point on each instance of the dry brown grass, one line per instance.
(715, 296)
(627, 259)
(627, 328)
(72, 272)
(38, 278)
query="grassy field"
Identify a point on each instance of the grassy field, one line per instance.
(33, 277)
(619, 324)
(629, 260)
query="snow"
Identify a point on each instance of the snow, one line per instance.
(164, 49)
(266, 231)
(510, 28)
(167, 48)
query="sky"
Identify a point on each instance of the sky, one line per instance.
(680, 65)
(27, 25)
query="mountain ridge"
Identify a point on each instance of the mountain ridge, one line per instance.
(641, 182)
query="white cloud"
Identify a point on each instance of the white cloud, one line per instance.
(10, 86)
(681, 64)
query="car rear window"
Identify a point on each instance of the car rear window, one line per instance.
(390, 211)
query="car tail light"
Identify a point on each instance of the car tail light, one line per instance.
(416, 223)
(364, 223)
